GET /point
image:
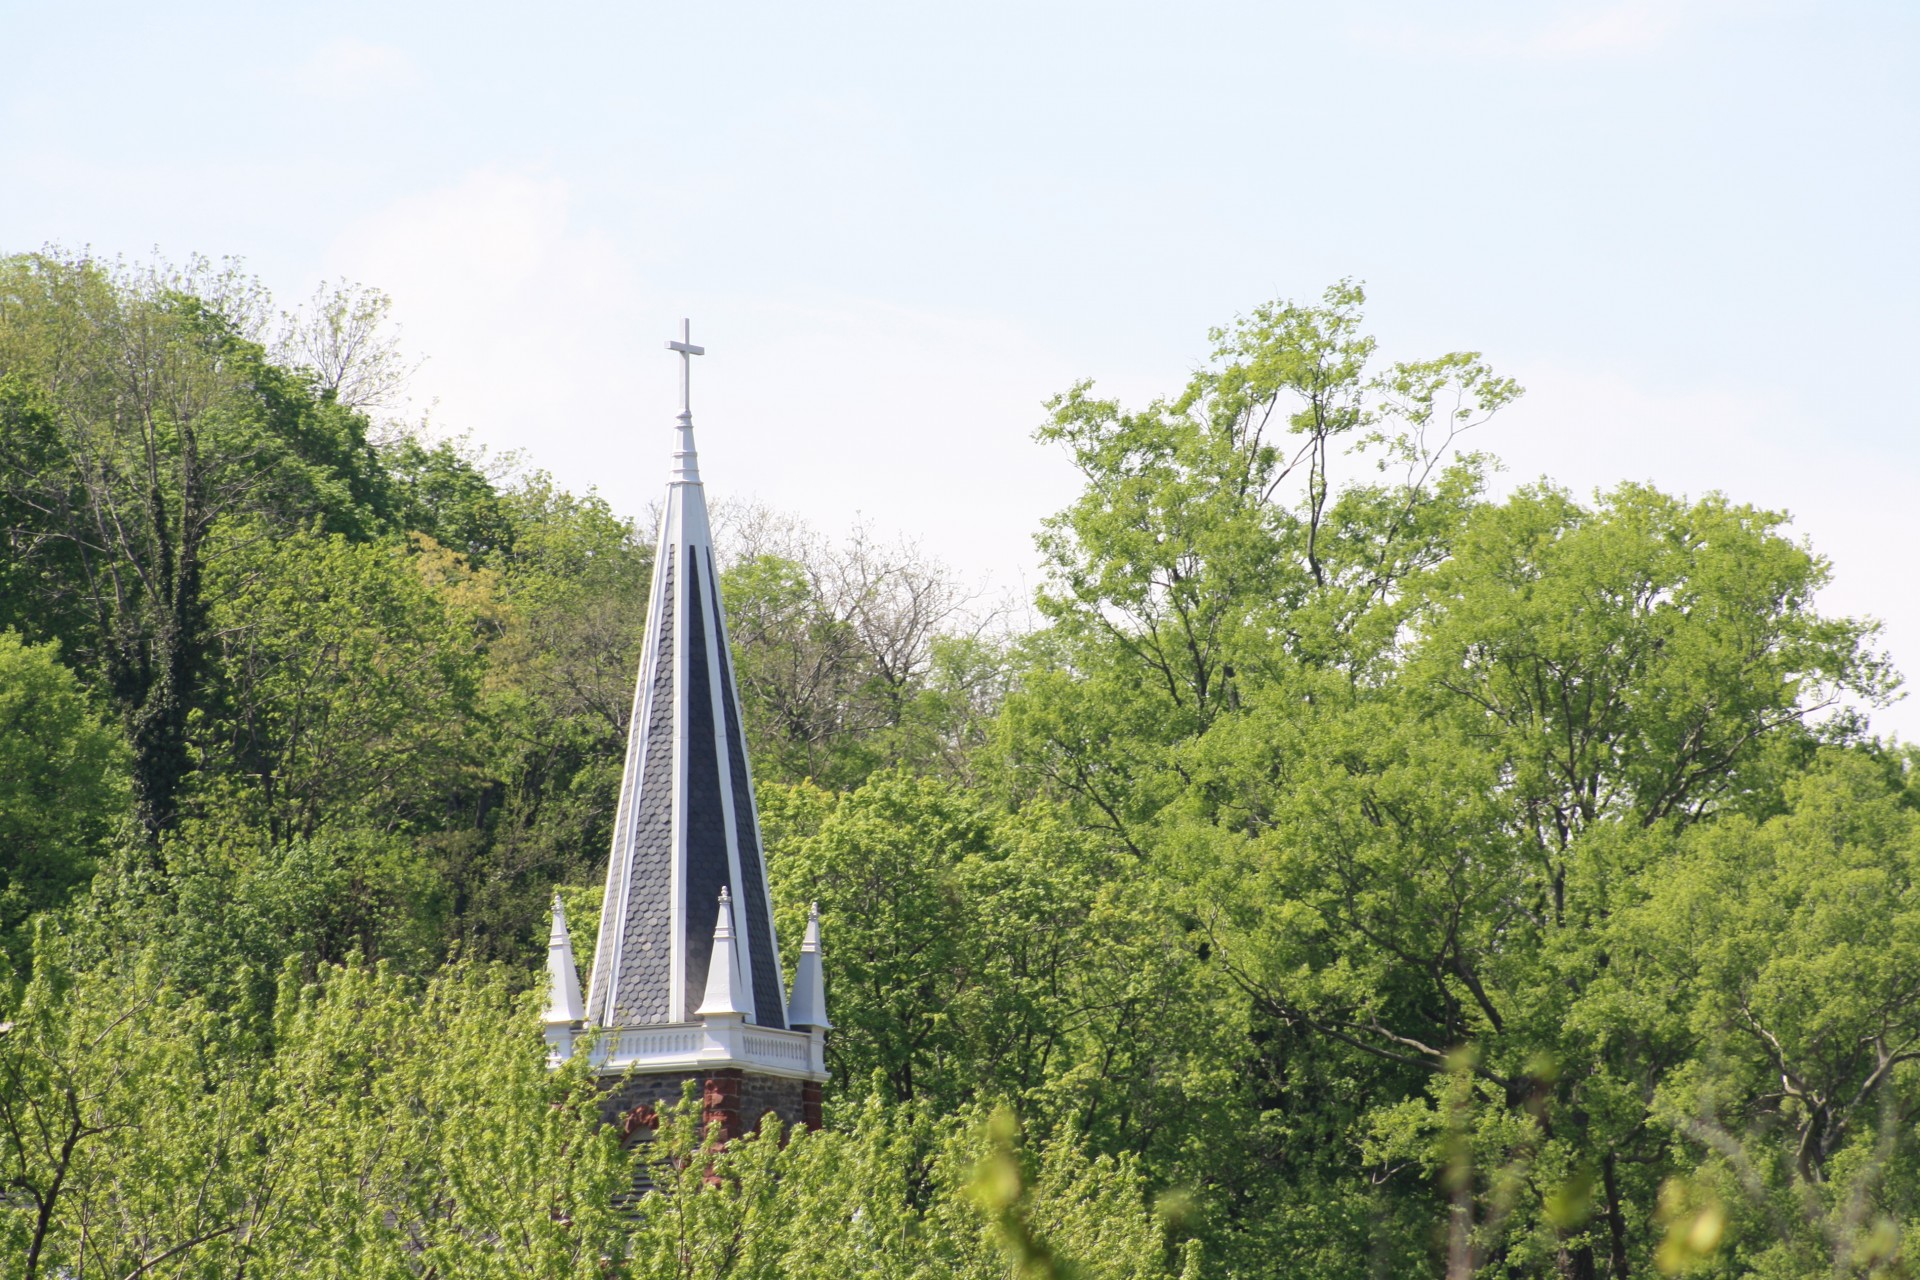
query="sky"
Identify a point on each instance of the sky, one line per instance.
(1688, 228)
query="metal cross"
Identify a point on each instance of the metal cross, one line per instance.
(687, 351)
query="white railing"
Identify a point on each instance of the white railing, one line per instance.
(649, 1044)
(722, 1042)
(765, 1045)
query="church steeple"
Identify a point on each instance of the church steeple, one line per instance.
(686, 830)
(676, 993)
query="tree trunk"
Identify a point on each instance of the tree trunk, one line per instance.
(159, 720)
(159, 708)
(1616, 1220)
(1577, 1263)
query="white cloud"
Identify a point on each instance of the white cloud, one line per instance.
(524, 316)
(1620, 28)
(1586, 31)
(347, 68)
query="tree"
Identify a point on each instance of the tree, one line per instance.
(891, 1191)
(1404, 868)
(855, 656)
(139, 414)
(1378, 877)
(379, 1125)
(341, 339)
(1184, 541)
(1795, 942)
(329, 653)
(443, 492)
(1212, 544)
(982, 955)
(1401, 755)
(573, 580)
(62, 784)
(126, 1137)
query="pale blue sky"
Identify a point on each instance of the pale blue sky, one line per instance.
(1687, 227)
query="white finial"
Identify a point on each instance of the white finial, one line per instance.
(686, 465)
(563, 978)
(723, 998)
(807, 1007)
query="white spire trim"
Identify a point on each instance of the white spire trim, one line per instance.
(563, 976)
(565, 1009)
(723, 998)
(673, 542)
(807, 1007)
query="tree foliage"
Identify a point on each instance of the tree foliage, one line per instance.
(1356, 873)
(62, 784)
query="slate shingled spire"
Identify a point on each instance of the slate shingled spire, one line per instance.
(686, 831)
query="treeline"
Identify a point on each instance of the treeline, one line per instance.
(415, 670)
(1353, 874)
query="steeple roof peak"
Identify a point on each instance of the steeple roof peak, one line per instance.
(686, 834)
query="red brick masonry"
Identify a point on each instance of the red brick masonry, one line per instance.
(734, 1099)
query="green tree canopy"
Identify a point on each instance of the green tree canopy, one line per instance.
(1358, 871)
(62, 784)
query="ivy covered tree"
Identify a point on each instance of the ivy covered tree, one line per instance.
(142, 412)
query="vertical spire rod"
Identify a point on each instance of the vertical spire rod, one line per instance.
(686, 465)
